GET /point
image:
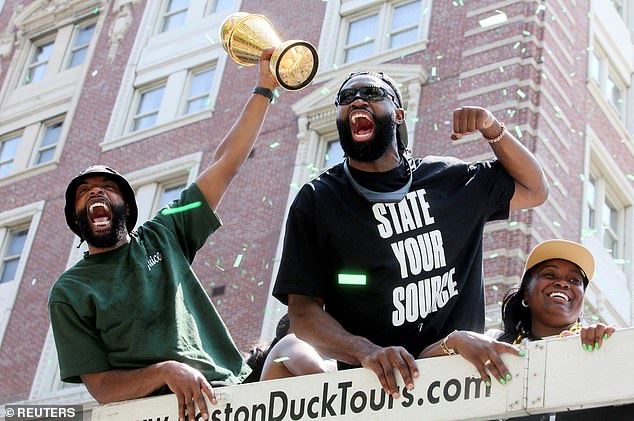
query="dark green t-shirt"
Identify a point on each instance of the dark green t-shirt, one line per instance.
(141, 303)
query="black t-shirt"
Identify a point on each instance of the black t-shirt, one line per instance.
(404, 273)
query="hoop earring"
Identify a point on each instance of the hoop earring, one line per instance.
(524, 303)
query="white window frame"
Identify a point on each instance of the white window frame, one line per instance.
(601, 88)
(335, 26)
(39, 148)
(165, 14)
(164, 56)
(72, 49)
(24, 161)
(135, 114)
(30, 64)
(24, 216)
(187, 88)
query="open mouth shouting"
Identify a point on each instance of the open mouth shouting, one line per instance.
(361, 125)
(99, 214)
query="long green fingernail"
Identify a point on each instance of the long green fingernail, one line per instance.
(590, 349)
(522, 353)
(585, 348)
(596, 346)
(502, 381)
(605, 336)
(509, 377)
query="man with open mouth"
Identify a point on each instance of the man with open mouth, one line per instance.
(131, 318)
(383, 253)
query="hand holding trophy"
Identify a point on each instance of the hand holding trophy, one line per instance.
(244, 36)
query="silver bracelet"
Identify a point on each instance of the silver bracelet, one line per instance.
(499, 136)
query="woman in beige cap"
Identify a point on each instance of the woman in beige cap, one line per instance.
(547, 303)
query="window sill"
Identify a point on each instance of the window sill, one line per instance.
(130, 138)
(29, 172)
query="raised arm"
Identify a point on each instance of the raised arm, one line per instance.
(188, 385)
(531, 186)
(237, 144)
(313, 325)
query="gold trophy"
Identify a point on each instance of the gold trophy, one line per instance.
(293, 63)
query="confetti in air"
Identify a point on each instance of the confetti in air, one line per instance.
(274, 145)
(494, 287)
(238, 260)
(281, 359)
(190, 206)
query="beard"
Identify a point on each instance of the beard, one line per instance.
(384, 135)
(108, 238)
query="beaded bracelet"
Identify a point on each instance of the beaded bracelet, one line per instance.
(499, 136)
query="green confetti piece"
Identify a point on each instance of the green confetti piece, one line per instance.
(504, 92)
(435, 127)
(619, 261)
(433, 71)
(516, 45)
(594, 317)
(218, 302)
(238, 260)
(260, 283)
(526, 33)
(211, 243)
(351, 279)
(521, 93)
(494, 287)
(274, 145)
(557, 224)
(190, 206)
(281, 359)
(513, 223)
(518, 132)
(96, 11)
(252, 298)
(494, 255)
(630, 177)
(499, 303)
(501, 69)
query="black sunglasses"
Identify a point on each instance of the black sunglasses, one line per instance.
(367, 93)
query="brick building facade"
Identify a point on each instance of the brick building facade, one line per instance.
(145, 87)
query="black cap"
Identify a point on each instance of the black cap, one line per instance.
(126, 191)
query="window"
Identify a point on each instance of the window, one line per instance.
(12, 253)
(175, 14)
(361, 38)
(199, 90)
(368, 31)
(8, 149)
(223, 6)
(594, 67)
(404, 28)
(610, 86)
(591, 197)
(169, 192)
(334, 154)
(17, 228)
(81, 42)
(46, 150)
(605, 215)
(36, 69)
(615, 95)
(148, 108)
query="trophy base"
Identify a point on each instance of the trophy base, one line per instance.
(294, 64)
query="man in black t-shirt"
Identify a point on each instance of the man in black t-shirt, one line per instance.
(383, 253)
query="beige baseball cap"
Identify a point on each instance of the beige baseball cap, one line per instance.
(565, 250)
